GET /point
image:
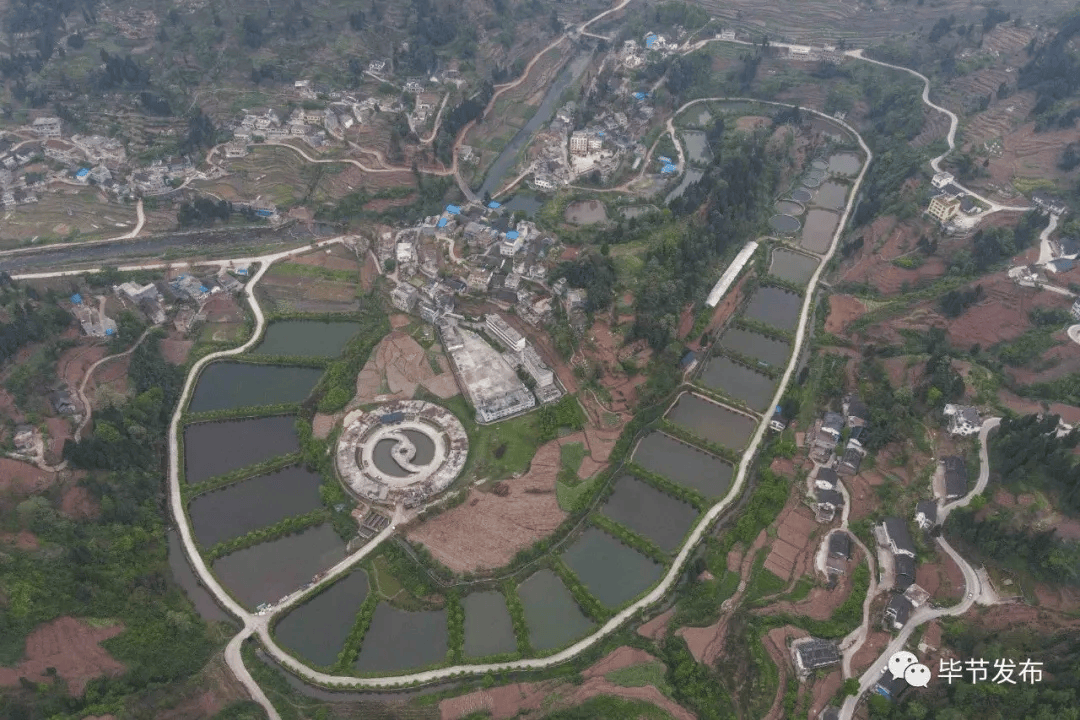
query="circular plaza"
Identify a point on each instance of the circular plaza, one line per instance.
(401, 452)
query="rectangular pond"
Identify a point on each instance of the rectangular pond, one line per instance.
(792, 266)
(306, 338)
(713, 422)
(228, 385)
(757, 346)
(818, 230)
(740, 382)
(697, 146)
(612, 572)
(554, 619)
(775, 307)
(217, 448)
(271, 570)
(238, 509)
(316, 630)
(649, 512)
(401, 640)
(692, 176)
(684, 464)
(488, 628)
(831, 195)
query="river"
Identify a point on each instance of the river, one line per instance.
(508, 157)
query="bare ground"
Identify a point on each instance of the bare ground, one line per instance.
(396, 367)
(72, 647)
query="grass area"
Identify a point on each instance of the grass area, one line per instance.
(391, 588)
(762, 582)
(495, 451)
(571, 456)
(314, 271)
(651, 673)
(568, 494)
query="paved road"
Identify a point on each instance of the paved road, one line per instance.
(984, 470)
(1045, 251)
(87, 409)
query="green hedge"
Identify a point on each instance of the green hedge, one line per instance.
(589, 605)
(338, 386)
(630, 538)
(288, 526)
(245, 473)
(250, 411)
(682, 492)
(770, 371)
(517, 616)
(779, 282)
(765, 329)
(351, 648)
(455, 627)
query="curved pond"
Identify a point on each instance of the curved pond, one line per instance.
(817, 174)
(739, 382)
(792, 266)
(185, 577)
(217, 448)
(811, 182)
(400, 640)
(271, 570)
(697, 146)
(228, 385)
(238, 509)
(801, 195)
(845, 164)
(789, 207)
(649, 512)
(819, 165)
(756, 346)
(612, 572)
(775, 307)
(553, 617)
(784, 224)
(316, 630)
(488, 628)
(306, 338)
(585, 212)
(692, 176)
(685, 464)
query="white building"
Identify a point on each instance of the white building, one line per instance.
(964, 420)
(534, 365)
(941, 179)
(48, 127)
(505, 334)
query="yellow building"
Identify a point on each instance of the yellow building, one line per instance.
(943, 208)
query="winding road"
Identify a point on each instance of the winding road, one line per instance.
(973, 587)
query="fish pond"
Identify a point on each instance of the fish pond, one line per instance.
(649, 512)
(831, 195)
(792, 266)
(199, 596)
(524, 202)
(685, 464)
(488, 628)
(316, 630)
(739, 382)
(692, 176)
(612, 572)
(784, 224)
(845, 164)
(755, 345)
(402, 639)
(775, 307)
(818, 233)
(238, 509)
(228, 385)
(553, 618)
(697, 146)
(711, 421)
(271, 570)
(217, 448)
(789, 207)
(306, 338)
(801, 195)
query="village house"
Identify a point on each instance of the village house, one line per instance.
(964, 420)
(46, 127)
(955, 472)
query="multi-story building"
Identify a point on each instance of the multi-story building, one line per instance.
(943, 208)
(505, 334)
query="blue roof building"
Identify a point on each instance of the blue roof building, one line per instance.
(82, 173)
(494, 205)
(664, 159)
(668, 169)
(453, 210)
(442, 222)
(76, 299)
(241, 271)
(650, 40)
(640, 95)
(511, 234)
(110, 331)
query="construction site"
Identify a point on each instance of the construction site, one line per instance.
(402, 452)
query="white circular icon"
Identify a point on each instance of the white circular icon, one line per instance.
(917, 675)
(900, 661)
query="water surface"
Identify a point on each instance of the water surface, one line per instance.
(649, 512)
(401, 640)
(217, 448)
(757, 346)
(684, 464)
(692, 176)
(228, 385)
(832, 195)
(784, 224)
(524, 202)
(739, 382)
(801, 195)
(185, 577)
(789, 207)
(697, 146)
(271, 570)
(306, 338)
(488, 628)
(554, 619)
(316, 630)
(818, 233)
(775, 307)
(791, 266)
(238, 509)
(612, 572)
(845, 164)
(712, 422)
